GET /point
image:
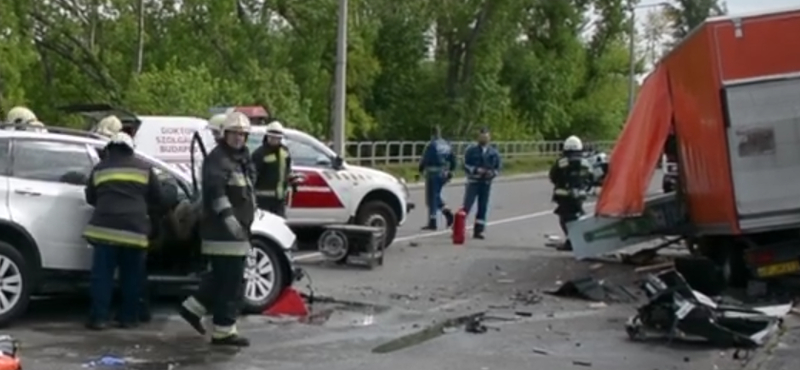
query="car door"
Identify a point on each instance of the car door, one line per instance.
(46, 197)
(324, 196)
(5, 159)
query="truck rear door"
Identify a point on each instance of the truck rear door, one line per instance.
(759, 67)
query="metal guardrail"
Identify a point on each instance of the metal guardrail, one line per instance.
(377, 153)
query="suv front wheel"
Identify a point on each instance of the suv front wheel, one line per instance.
(264, 277)
(379, 214)
(16, 283)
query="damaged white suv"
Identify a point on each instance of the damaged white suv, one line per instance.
(43, 213)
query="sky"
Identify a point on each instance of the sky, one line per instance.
(745, 6)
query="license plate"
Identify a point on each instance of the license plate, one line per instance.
(778, 269)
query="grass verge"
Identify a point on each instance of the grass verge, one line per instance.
(513, 166)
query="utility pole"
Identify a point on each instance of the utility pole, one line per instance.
(340, 96)
(632, 51)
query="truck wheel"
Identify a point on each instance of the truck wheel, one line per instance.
(16, 284)
(264, 277)
(379, 214)
(734, 267)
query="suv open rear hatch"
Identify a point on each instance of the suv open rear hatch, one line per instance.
(93, 113)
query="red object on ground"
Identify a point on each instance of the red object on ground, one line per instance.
(9, 363)
(460, 227)
(289, 303)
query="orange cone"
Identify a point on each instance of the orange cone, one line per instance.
(289, 303)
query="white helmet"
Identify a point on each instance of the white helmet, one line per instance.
(573, 143)
(122, 138)
(20, 115)
(236, 121)
(109, 126)
(215, 122)
(275, 129)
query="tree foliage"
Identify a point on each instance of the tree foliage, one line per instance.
(525, 68)
(688, 14)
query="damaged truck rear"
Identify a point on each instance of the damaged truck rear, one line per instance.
(730, 95)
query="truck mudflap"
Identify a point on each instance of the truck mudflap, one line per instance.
(594, 236)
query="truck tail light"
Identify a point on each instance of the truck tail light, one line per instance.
(760, 258)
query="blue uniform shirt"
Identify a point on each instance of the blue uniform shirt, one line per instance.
(486, 157)
(438, 157)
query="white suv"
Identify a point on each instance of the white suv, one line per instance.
(336, 192)
(43, 213)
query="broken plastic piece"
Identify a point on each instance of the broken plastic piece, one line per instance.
(289, 303)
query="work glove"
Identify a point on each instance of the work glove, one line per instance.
(235, 227)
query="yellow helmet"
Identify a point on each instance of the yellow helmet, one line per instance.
(20, 115)
(108, 126)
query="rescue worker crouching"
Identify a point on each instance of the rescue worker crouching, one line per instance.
(123, 191)
(570, 175)
(228, 210)
(437, 165)
(482, 164)
(273, 168)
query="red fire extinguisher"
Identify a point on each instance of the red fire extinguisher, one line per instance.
(460, 227)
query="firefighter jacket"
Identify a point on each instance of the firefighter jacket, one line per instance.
(124, 191)
(570, 175)
(438, 157)
(481, 163)
(228, 202)
(273, 168)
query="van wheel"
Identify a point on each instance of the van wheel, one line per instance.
(264, 277)
(379, 214)
(15, 284)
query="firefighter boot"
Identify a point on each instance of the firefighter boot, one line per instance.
(448, 216)
(233, 340)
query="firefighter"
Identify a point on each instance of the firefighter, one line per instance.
(108, 126)
(437, 164)
(273, 167)
(570, 175)
(20, 116)
(123, 191)
(482, 165)
(228, 211)
(214, 124)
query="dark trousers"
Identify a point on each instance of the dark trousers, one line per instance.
(478, 190)
(222, 289)
(568, 210)
(273, 205)
(434, 183)
(130, 261)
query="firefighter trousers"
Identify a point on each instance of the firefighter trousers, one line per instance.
(221, 290)
(568, 210)
(434, 183)
(478, 190)
(106, 259)
(273, 205)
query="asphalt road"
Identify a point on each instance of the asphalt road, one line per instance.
(425, 280)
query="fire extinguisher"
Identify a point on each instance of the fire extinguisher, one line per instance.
(460, 227)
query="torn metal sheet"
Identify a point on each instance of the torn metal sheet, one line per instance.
(591, 289)
(677, 311)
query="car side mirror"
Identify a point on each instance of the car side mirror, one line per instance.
(324, 161)
(338, 163)
(74, 178)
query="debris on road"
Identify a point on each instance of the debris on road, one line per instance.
(582, 363)
(8, 353)
(591, 289)
(676, 311)
(430, 332)
(527, 298)
(105, 361)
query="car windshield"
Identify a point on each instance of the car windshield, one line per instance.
(304, 149)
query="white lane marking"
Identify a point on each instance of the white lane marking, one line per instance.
(313, 255)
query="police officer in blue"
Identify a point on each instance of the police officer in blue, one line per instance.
(437, 164)
(482, 165)
(570, 175)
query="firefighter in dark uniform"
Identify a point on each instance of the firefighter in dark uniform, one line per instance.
(273, 168)
(481, 164)
(228, 211)
(437, 165)
(570, 175)
(123, 191)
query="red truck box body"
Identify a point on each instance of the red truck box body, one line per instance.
(734, 96)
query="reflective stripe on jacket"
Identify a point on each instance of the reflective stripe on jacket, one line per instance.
(228, 194)
(124, 192)
(477, 157)
(570, 175)
(273, 166)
